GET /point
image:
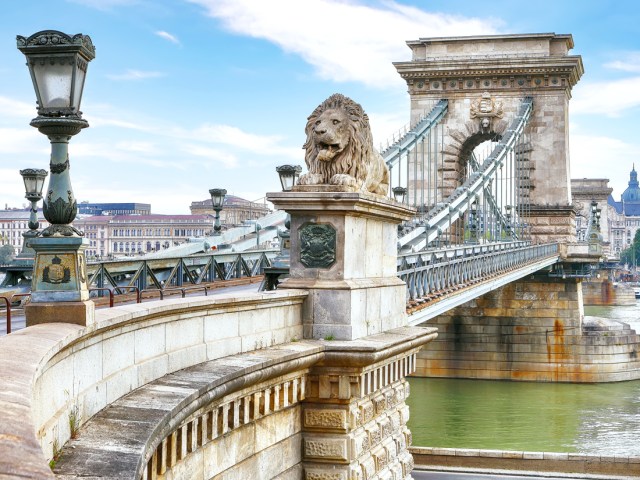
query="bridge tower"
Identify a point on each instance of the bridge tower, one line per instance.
(484, 79)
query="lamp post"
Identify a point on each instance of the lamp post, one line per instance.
(217, 200)
(33, 179)
(473, 223)
(595, 237)
(508, 221)
(280, 264)
(58, 65)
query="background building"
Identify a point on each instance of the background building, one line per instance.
(13, 223)
(624, 216)
(125, 235)
(235, 210)
(87, 208)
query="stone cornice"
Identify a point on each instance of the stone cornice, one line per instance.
(568, 38)
(317, 199)
(554, 72)
(591, 191)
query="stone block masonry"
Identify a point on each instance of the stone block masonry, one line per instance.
(533, 329)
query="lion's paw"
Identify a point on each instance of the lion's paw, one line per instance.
(343, 179)
(310, 179)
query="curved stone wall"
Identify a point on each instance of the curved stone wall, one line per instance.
(56, 377)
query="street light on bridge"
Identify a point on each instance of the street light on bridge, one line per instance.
(33, 179)
(288, 176)
(399, 194)
(217, 200)
(58, 65)
(279, 268)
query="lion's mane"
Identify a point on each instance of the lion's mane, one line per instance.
(359, 159)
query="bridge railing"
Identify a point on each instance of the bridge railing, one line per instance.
(175, 272)
(435, 273)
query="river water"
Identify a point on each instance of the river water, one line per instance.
(598, 419)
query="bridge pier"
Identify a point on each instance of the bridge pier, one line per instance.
(533, 329)
(343, 251)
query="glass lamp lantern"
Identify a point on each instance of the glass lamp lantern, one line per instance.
(33, 182)
(217, 197)
(399, 194)
(288, 176)
(58, 66)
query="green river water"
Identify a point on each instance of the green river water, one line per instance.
(602, 419)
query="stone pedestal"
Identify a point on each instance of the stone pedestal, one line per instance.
(344, 252)
(59, 290)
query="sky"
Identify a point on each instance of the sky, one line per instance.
(188, 95)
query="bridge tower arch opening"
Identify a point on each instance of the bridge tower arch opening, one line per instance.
(484, 79)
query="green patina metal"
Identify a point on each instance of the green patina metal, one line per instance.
(318, 245)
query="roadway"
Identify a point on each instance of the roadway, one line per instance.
(18, 320)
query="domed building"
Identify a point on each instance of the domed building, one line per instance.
(624, 216)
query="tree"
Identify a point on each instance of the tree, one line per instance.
(631, 255)
(6, 254)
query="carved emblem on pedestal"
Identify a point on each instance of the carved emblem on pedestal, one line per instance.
(317, 246)
(486, 108)
(56, 273)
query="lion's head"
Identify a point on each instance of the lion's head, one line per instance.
(339, 147)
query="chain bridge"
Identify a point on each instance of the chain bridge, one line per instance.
(485, 165)
(309, 380)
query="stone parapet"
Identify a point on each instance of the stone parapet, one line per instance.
(513, 462)
(53, 372)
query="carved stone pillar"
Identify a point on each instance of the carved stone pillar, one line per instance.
(344, 252)
(355, 415)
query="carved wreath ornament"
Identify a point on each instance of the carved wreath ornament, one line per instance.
(486, 108)
(317, 246)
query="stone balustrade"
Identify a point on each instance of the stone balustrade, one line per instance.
(57, 376)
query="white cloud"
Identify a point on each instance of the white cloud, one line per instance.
(168, 36)
(227, 159)
(602, 157)
(135, 75)
(629, 63)
(235, 137)
(343, 41)
(609, 98)
(15, 108)
(23, 140)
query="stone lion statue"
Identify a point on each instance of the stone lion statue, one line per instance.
(339, 148)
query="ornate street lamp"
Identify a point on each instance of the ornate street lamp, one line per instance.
(279, 268)
(473, 222)
(399, 194)
(33, 182)
(288, 176)
(508, 219)
(33, 179)
(58, 65)
(217, 200)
